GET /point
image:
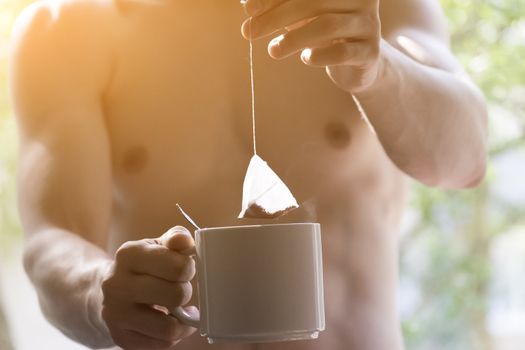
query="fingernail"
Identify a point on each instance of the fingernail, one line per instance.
(247, 28)
(305, 55)
(178, 229)
(172, 232)
(275, 46)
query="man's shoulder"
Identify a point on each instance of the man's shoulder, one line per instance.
(54, 38)
(60, 49)
(64, 20)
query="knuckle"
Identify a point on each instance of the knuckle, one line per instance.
(185, 269)
(109, 285)
(186, 291)
(183, 293)
(127, 251)
(332, 22)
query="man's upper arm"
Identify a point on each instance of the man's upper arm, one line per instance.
(57, 74)
(419, 29)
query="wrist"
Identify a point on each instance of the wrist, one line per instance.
(388, 78)
(93, 304)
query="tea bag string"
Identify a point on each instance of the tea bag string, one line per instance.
(252, 95)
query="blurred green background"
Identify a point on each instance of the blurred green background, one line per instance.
(462, 253)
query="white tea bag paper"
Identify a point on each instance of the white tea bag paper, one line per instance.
(264, 194)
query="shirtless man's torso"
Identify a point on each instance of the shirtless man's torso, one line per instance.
(154, 110)
(178, 116)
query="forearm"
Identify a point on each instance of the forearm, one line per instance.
(67, 273)
(431, 123)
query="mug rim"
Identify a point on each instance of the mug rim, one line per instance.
(238, 227)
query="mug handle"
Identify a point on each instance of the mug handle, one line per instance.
(179, 313)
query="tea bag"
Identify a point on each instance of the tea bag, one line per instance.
(264, 194)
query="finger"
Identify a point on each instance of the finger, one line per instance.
(177, 238)
(256, 7)
(153, 324)
(354, 53)
(194, 312)
(153, 291)
(322, 31)
(147, 257)
(131, 340)
(290, 12)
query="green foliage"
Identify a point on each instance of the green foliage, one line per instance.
(489, 39)
(446, 253)
(9, 224)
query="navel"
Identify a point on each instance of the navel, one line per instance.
(337, 134)
(135, 159)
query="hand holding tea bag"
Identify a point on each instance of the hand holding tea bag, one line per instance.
(264, 194)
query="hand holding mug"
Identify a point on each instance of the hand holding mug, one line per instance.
(148, 278)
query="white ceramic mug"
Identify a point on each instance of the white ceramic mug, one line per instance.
(259, 283)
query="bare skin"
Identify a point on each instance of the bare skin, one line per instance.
(126, 108)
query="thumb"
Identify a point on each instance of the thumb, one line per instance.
(177, 238)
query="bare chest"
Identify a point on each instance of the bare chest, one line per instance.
(178, 112)
(179, 117)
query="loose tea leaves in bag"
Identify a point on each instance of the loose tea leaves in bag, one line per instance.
(264, 194)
